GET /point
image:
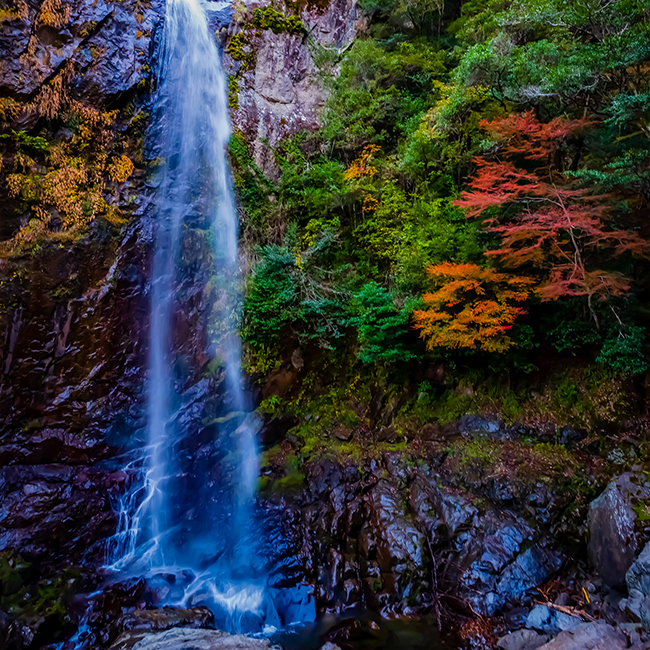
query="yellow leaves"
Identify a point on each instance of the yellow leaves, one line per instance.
(112, 215)
(33, 231)
(23, 161)
(7, 15)
(65, 182)
(15, 184)
(10, 109)
(361, 167)
(54, 13)
(54, 97)
(73, 187)
(442, 88)
(120, 169)
(62, 190)
(93, 125)
(471, 307)
(370, 203)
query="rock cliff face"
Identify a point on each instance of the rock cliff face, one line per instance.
(75, 295)
(393, 535)
(77, 181)
(108, 43)
(74, 87)
(279, 74)
(72, 304)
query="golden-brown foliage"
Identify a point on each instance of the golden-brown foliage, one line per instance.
(362, 167)
(54, 13)
(471, 307)
(120, 169)
(73, 182)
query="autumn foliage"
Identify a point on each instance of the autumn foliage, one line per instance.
(551, 222)
(471, 307)
(362, 167)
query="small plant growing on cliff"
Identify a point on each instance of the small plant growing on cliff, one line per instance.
(240, 49)
(120, 169)
(269, 18)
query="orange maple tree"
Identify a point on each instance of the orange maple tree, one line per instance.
(471, 307)
(551, 221)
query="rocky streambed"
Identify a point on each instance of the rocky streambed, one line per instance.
(471, 537)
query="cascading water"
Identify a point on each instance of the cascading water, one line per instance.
(178, 522)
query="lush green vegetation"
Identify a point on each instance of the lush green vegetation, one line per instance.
(433, 111)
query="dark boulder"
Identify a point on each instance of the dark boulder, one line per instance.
(155, 620)
(613, 543)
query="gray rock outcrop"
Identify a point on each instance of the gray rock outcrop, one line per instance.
(546, 619)
(638, 575)
(613, 543)
(187, 639)
(589, 636)
(522, 640)
(382, 538)
(283, 92)
(637, 604)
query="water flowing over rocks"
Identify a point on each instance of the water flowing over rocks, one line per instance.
(389, 534)
(142, 621)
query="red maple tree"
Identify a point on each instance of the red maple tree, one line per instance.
(548, 219)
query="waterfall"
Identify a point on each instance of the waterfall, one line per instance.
(177, 521)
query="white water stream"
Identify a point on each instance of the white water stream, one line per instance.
(210, 562)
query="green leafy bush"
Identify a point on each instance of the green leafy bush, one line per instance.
(626, 353)
(382, 327)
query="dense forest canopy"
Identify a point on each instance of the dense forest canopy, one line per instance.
(473, 210)
(477, 196)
